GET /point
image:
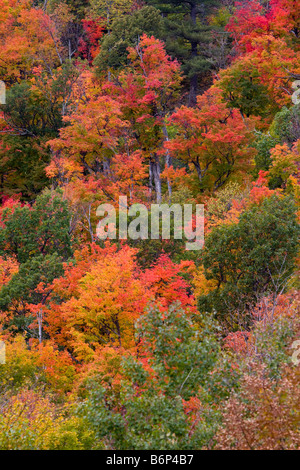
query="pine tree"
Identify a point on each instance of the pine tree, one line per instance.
(187, 34)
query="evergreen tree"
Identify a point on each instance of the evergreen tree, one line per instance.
(125, 32)
(187, 33)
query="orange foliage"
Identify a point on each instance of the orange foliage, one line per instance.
(102, 302)
(28, 37)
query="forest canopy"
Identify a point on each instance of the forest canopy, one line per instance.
(138, 343)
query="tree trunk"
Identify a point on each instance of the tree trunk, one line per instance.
(168, 161)
(193, 90)
(40, 321)
(194, 51)
(155, 171)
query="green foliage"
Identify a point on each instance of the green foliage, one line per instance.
(187, 35)
(110, 9)
(150, 250)
(222, 16)
(38, 237)
(149, 413)
(252, 258)
(29, 113)
(286, 125)
(243, 90)
(22, 166)
(125, 32)
(33, 114)
(285, 129)
(179, 351)
(264, 143)
(272, 337)
(40, 229)
(109, 126)
(178, 35)
(23, 285)
(78, 7)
